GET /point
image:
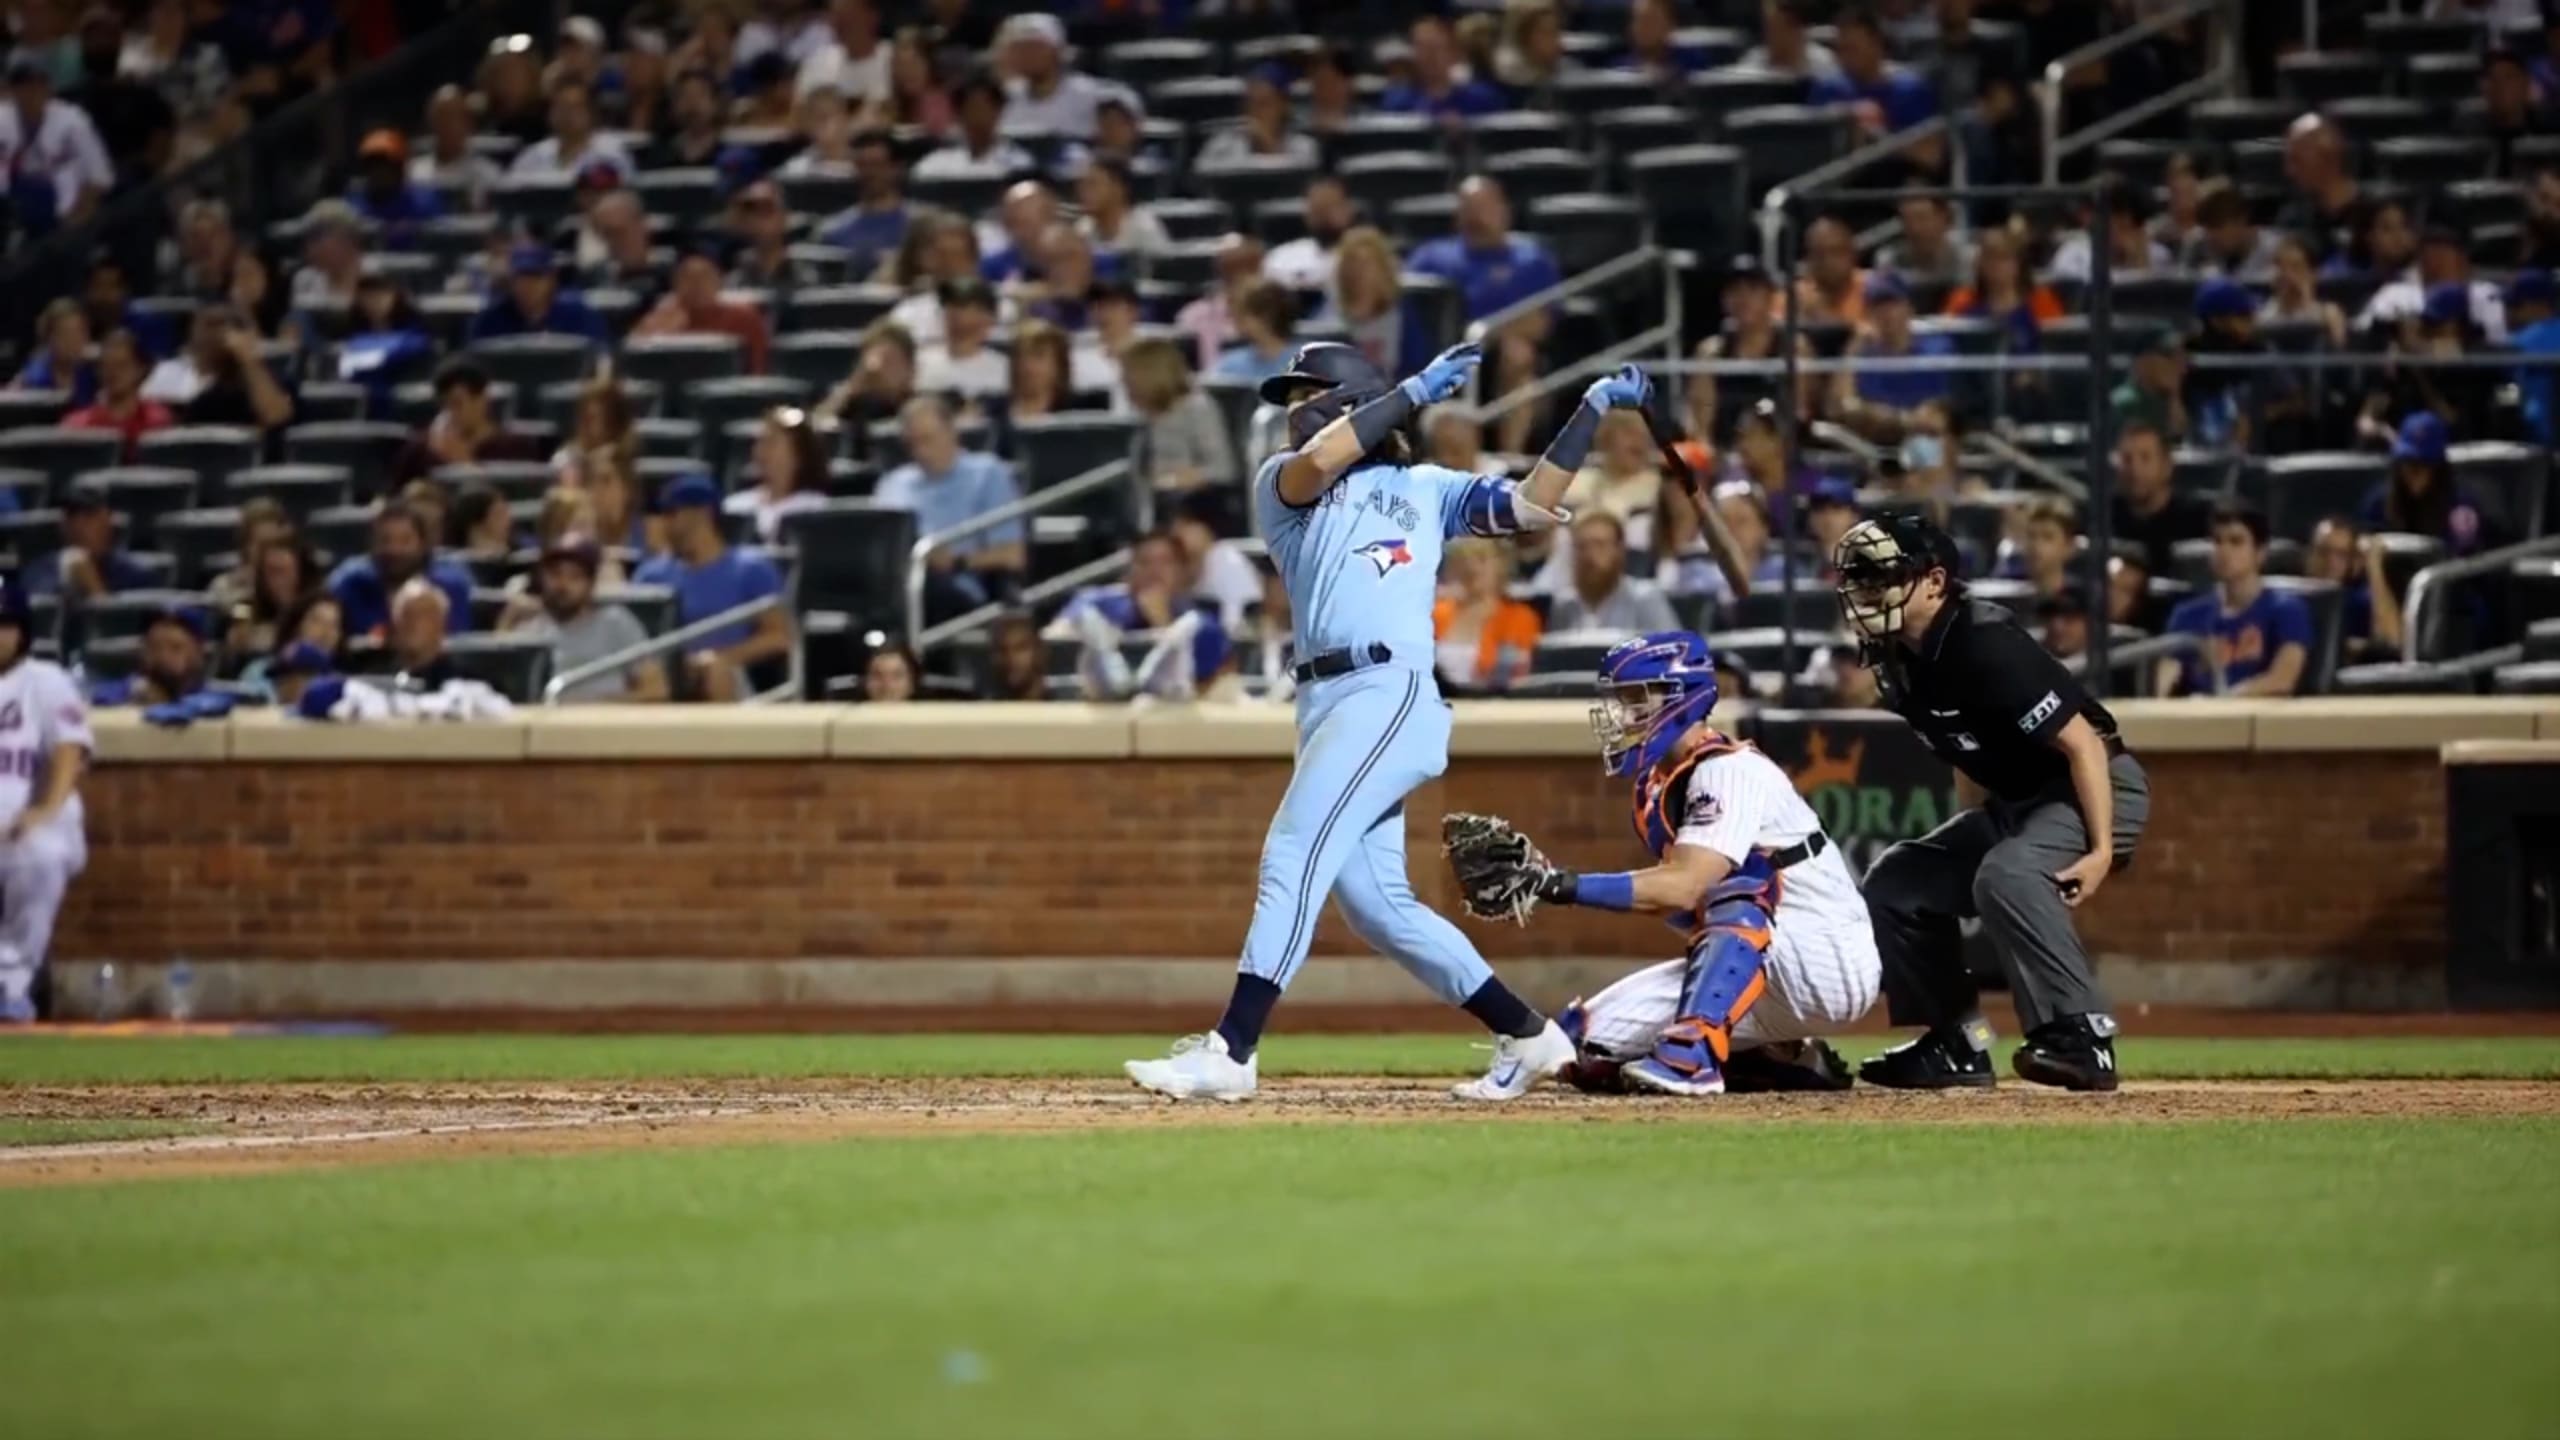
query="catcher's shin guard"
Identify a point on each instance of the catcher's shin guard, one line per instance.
(1726, 965)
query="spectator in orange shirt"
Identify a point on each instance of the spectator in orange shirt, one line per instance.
(694, 307)
(120, 406)
(1486, 638)
(1832, 286)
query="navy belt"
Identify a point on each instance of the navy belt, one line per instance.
(1339, 662)
(1798, 853)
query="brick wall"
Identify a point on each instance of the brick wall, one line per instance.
(2250, 856)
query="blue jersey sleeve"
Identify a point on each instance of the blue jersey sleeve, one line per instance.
(2288, 623)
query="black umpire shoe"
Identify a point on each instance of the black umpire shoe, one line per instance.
(2076, 1052)
(1938, 1060)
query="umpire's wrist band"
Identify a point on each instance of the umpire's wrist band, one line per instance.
(1372, 423)
(1615, 890)
(1572, 444)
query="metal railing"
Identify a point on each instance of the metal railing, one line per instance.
(2176, 645)
(1636, 261)
(2221, 78)
(675, 640)
(1997, 446)
(2426, 584)
(1773, 206)
(1665, 336)
(920, 555)
(1065, 582)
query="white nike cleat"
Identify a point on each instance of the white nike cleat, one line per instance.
(1198, 1069)
(1518, 1065)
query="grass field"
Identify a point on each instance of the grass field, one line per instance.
(1574, 1269)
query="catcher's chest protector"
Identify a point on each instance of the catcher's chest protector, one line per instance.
(1661, 803)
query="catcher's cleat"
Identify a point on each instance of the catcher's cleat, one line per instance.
(1804, 1065)
(1938, 1060)
(1198, 1069)
(2077, 1052)
(1683, 1062)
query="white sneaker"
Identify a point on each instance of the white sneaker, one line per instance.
(1518, 1065)
(1198, 1069)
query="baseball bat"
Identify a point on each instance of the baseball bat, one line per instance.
(1726, 551)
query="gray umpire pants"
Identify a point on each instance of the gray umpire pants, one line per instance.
(1997, 862)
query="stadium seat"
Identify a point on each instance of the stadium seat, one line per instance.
(1201, 219)
(654, 606)
(320, 401)
(1423, 217)
(192, 538)
(689, 196)
(452, 238)
(668, 439)
(299, 488)
(849, 308)
(534, 206)
(516, 666)
(1529, 176)
(213, 452)
(970, 195)
(2369, 120)
(1780, 142)
(59, 454)
(341, 532)
(1144, 64)
(1378, 181)
(126, 613)
(2319, 77)
(1196, 99)
(364, 448)
(1621, 133)
(715, 404)
(2224, 123)
(1588, 92)
(2327, 604)
(853, 561)
(1695, 195)
(30, 534)
(819, 194)
(2414, 37)
(2531, 677)
(2542, 640)
(2427, 161)
(675, 362)
(2511, 482)
(32, 409)
(142, 494)
(531, 362)
(513, 479)
(25, 489)
(2398, 678)
(449, 317)
(817, 359)
(1811, 605)
(1379, 135)
(2303, 488)
(1718, 95)
(1507, 132)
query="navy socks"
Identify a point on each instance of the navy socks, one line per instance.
(1248, 1010)
(1502, 1012)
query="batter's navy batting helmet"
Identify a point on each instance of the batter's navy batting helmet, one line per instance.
(1324, 366)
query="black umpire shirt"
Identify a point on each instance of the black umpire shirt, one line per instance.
(1987, 699)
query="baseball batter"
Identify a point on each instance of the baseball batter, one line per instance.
(44, 745)
(1779, 949)
(1355, 528)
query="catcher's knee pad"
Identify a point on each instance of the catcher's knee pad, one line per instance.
(1726, 965)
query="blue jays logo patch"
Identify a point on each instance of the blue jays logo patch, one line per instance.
(1386, 554)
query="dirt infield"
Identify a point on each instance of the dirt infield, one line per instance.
(252, 1128)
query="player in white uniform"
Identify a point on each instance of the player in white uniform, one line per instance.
(1780, 949)
(44, 747)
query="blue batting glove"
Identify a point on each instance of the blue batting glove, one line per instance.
(1628, 390)
(1444, 376)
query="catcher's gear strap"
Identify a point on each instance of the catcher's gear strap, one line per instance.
(1727, 964)
(1660, 796)
(1493, 507)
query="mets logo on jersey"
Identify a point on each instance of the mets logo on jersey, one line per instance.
(1386, 554)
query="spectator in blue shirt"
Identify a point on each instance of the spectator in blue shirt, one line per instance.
(2533, 329)
(709, 577)
(2259, 639)
(944, 487)
(1494, 270)
(1192, 649)
(876, 225)
(381, 191)
(1440, 87)
(90, 562)
(62, 360)
(171, 666)
(1885, 405)
(1888, 97)
(403, 550)
(533, 303)
(1653, 48)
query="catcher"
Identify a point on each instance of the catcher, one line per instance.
(1780, 949)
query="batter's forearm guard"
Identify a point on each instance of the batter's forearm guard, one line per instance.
(1572, 444)
(1494, 508)
(1372, 423)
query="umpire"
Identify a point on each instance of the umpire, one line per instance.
(1990, 701)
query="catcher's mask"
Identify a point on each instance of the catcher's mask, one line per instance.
(1652, 689)
(1882, 563)
(1324, 382)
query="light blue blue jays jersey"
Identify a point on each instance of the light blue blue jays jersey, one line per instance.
(1362, 564)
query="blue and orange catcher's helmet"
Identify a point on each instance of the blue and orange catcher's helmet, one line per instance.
(1652, 689)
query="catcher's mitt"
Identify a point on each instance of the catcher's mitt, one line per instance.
(1501, 876)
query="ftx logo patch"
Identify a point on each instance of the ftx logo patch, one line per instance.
(1386, 554)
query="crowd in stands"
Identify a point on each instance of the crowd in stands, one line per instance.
(650, 303)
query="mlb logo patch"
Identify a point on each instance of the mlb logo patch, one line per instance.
(1386, 554)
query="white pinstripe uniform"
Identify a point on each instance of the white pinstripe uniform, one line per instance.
(1822, 970)
(39, 709)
